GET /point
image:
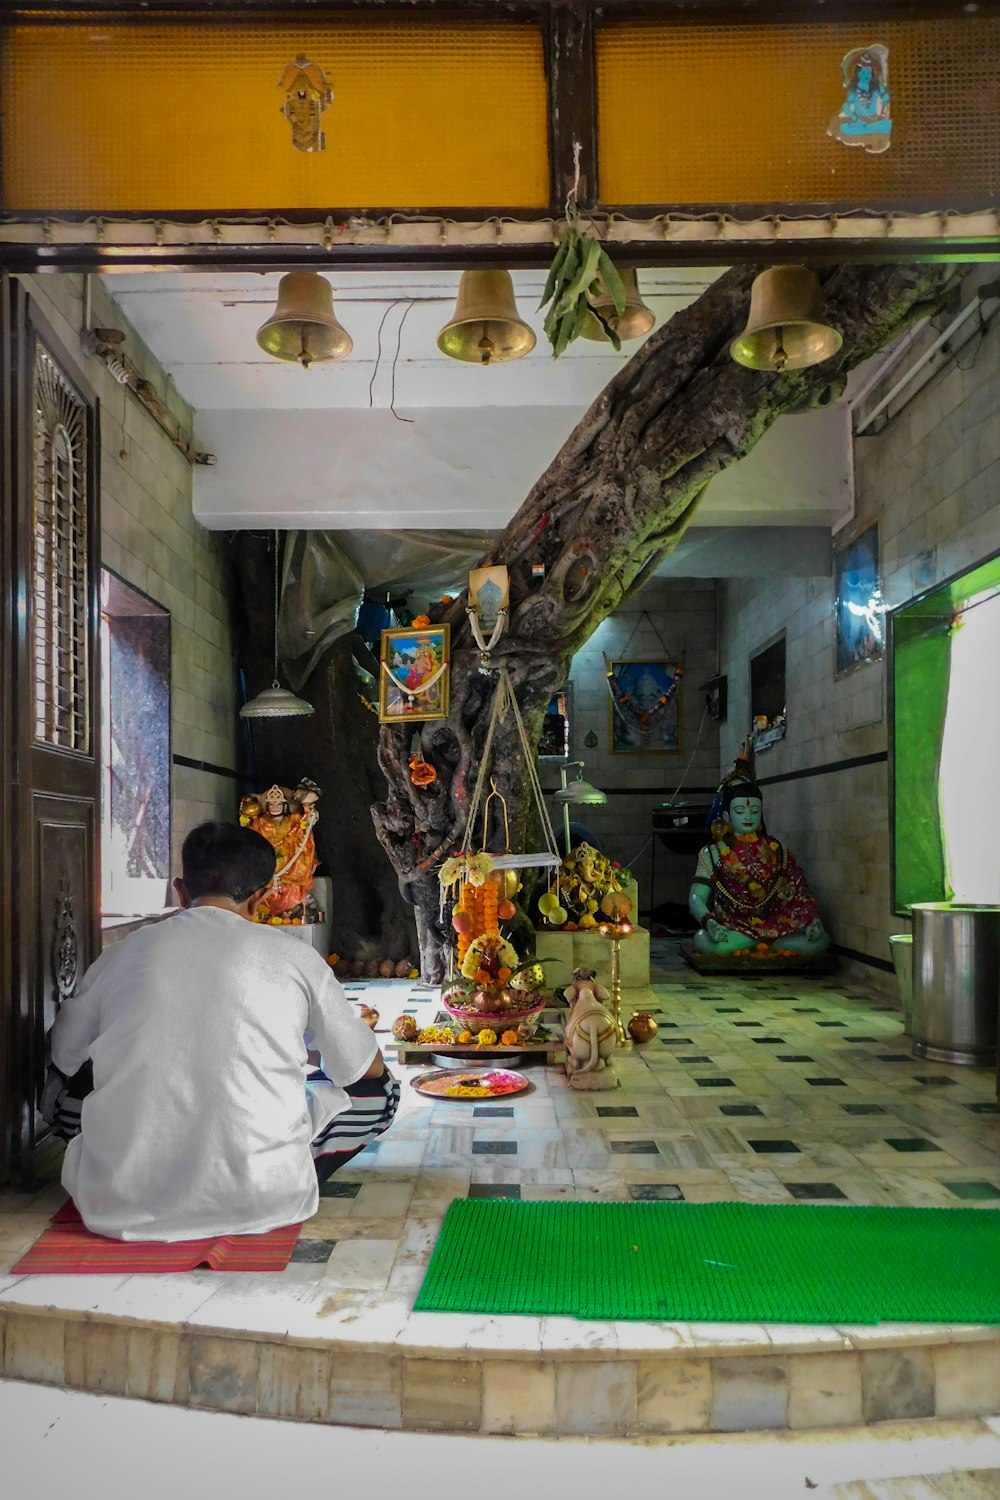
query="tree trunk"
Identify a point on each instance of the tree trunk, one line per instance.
(613, 503)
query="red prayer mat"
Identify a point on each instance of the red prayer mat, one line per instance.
(67, 1247)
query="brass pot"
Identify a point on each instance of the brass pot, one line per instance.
(642, 1028)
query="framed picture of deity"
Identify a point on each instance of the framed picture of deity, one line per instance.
(413, 675)
(860, 607)
(645, 707)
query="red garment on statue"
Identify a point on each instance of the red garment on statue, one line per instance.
(758, 889)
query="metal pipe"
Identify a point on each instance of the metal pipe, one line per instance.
(991, 290)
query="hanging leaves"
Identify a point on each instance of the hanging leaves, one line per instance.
(580, 269)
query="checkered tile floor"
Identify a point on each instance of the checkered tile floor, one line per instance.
(764, 1091)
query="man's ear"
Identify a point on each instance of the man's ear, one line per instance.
(183, 895)
(256, 899)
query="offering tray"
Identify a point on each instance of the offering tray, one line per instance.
(478, 1081)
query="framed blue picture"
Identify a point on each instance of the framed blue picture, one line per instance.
(645, 707)
(860, 607)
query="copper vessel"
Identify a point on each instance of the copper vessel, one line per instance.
(642, 1028)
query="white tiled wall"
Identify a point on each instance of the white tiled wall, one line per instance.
(932, 480)
(668, 619)
(150, 538)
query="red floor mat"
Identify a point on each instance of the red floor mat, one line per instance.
(67, 1247)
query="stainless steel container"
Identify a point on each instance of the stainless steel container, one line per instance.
(901, 949)
(956, 982)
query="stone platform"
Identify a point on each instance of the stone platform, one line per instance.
(796, 1090)
(592, 950)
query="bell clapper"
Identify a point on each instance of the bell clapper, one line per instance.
(485, 347)
(779, 358)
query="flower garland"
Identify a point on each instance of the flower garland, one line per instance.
(642, 720)
(486, 647)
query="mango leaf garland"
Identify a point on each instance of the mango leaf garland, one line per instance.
(580, 270)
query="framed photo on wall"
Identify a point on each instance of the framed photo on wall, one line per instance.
(413, 675)
(860, 610)
(554, 742)
(645, 707)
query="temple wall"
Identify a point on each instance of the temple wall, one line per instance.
(931, 479)
(681, 620)
(150, 538)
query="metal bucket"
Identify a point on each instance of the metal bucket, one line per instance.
(901, 949)
(956, 982)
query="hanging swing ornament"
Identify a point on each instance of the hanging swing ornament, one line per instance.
(487, 610)
(468, 871)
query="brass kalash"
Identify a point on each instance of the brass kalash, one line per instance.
(487, 328)
(303, 326)
(786, 328)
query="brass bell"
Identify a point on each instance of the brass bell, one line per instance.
(785, 330)
(486, 328)
(635, 320)
(303, 326)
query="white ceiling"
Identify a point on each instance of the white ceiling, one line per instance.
(323, 447)
(202, 328)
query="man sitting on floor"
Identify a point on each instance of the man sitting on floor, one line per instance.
(202, 1120)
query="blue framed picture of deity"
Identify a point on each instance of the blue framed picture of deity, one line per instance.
(860, 606)
(645, 707)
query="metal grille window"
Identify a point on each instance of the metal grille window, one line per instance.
(59, 563)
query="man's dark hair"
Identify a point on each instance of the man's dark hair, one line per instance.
(224, 859)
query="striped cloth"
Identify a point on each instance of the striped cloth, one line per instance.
(67, 1247)
(374, 1102)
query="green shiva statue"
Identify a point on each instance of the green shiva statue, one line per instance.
(748, 893)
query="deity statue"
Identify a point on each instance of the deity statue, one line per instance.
(286, 819)
(748, 893)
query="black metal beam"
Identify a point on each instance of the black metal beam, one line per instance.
(39, 259)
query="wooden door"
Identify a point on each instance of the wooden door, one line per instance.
(51, 725)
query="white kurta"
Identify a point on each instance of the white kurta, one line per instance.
(199, 1122)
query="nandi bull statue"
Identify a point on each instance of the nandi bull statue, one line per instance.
(591, 1034)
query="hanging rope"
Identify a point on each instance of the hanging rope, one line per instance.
(505, 704)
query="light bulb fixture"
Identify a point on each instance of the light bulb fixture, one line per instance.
(578, 792)
(275, 702)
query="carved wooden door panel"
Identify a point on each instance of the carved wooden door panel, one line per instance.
(51, 877)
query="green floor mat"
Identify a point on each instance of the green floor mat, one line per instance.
(717, 1262)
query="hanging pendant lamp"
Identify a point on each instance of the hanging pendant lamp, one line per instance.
(303, 326)
(487, 328)
(275, 702)
(785, 329)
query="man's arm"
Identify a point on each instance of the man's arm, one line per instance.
(78, 1023)
(345, 1042)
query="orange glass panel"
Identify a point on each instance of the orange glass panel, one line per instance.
(739, 114)
(104, 117)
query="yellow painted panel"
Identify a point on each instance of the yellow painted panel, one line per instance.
(105, 117)
(739, 114)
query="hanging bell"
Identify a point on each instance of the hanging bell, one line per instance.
(486, 328)
(635, 319)
(785, 330)
(303, 326)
